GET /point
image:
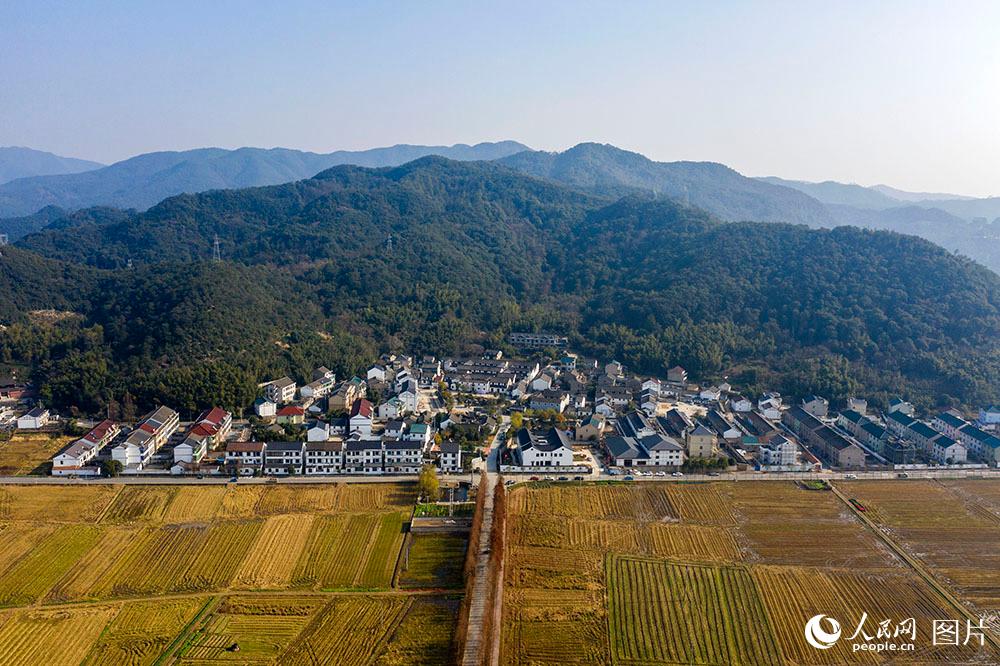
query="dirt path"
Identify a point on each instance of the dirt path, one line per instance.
(479, 607)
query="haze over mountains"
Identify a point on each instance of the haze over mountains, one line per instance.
(144, 180)
(18, 162)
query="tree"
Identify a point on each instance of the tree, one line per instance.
(516, 421)
(428, 483)
(112, 468)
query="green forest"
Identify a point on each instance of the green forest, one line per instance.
(437, 256)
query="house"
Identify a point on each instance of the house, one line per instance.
(701, 442)
(946, 450)
(677, 375)
(816, 405)
(649, 402)
(949, 423)
(549, 450)
(450, 456)
(150, 433)
(989, 417)
(245, 458)
(407, 395)
(664, 451)
(653, 450)
(363, 456)
(549, 399)
(591, 429)
(900, 405)
(323, 372)
(391, 409)
(723, 426)
(208, 431)
(344, 396)
(542, 382)
(280, 391)
(403, 456)
(652, 384)
(740, 404)
(324, 457)
(536, 340)
(898, 422)
(394, 429)
(675, 423)
(613, 369)
(291, 415)
(35, 419)
(636, 425)
(604, 407)
(780, 451)
(625, 451)
(838, 450)
(376, 373)
(318, 388)
(899, 451)
(711, 394)
(769, 405)
(361, 417)
(859, 405)
(283, 458)
(78, 456)
(265, 409)
(418, 432)
(983, 444)
(319, 432)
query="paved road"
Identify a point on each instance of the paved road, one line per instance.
(250, 480)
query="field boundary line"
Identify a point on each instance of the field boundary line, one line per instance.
(186, 631)
(104, 512)
(914, 564)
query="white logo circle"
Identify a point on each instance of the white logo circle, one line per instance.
(818, 637)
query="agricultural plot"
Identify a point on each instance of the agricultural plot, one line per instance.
(55, 637)
(204, 574)
(661, 612)
(248, 630)
(71, 504)
(141, 631)
(25, 454)
(434, 560)
(732, 576)
(950, 527)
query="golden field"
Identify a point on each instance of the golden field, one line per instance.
(143, 574)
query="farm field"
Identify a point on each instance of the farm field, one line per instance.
(134, 574)
(729, 573)
(30, 453)
(952, 527)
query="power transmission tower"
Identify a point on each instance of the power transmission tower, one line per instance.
(216, 252)
(388, 244)
(3, 240)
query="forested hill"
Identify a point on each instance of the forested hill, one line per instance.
(713, 187)
(431, 255)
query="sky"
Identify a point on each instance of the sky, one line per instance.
(902, 93)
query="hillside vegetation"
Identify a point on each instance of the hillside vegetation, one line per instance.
(434, 254)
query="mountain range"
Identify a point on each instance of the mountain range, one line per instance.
(438, 256)
(141, 181)
(18, 162)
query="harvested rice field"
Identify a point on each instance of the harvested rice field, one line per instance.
(160, 574)
(730, 573)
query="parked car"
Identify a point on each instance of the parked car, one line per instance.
(578, 478)
(534, 478)
(676, 474)
(713, 474)
(661, 473)
(850, 476)
(234, 479)
(563, 478)
(902, 475)
(630, 478)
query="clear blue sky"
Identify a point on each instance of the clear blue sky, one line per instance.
(906, 93)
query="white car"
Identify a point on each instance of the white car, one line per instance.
(676, 474)
(661, 474)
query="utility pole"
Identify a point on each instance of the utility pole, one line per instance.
(216, 251)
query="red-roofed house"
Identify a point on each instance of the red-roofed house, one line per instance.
(75, 458)
(292, 414)
(361, 417)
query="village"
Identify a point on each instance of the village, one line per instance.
(557, 414)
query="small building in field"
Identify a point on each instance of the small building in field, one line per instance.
(36, 419)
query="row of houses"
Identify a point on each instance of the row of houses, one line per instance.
(837, 449)
(877, 438)
(79, 457)
(351, 456)
(149, 434)
(936, 445)
(982, 444)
